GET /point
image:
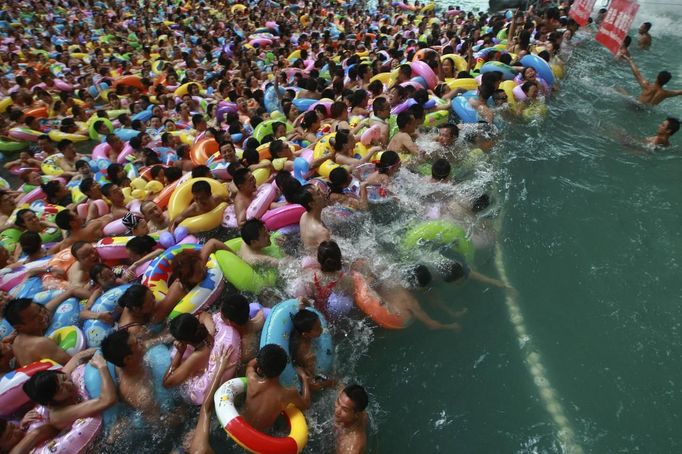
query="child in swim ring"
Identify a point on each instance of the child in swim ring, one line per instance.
(307, 328)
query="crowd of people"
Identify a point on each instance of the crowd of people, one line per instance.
(140, 132)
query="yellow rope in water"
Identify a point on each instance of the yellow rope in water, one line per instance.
(533, 362)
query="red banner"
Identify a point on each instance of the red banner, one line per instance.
(617, 23)
(581, 10)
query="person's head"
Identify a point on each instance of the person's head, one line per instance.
(187, 328)
(85, 253)
(645, 27)
(139, 246)
(307, 324)
(30, 242)
(102, 275)
(188, 268)
(381, 108)
(271, 361)
(389, 163)
(447, 134)
(254, 234)
(418, 276)
(50, 388)
(26, 316)
(28, 220)
(339, 179)
(66, 220)
(452, 270)
(90, 188)
(244, 180)
(669, 126)
(201, 171)
(10, 434)
(235, 308)
(54, 190)
(350, 405)
(663, 78)
(310, 199)
(329, 256)
(83, 168)
(201, 192)
(114, 193)
(406, 122)
(122, 348)
(136, 224)
(66, 147)
(440, 169)
(138, 299)
(151, 211)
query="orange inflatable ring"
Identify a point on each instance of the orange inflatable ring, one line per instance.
(202, 150)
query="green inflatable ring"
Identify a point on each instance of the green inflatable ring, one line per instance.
(439, 232)
(92, 132)
(265, 129)
(241, 274)
(12, 145)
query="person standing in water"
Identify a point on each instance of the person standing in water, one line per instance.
(652, 94)
(644, 38)
(350, 420)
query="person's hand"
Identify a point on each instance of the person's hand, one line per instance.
(302, 374)
(105, 317)
(180, 346)
(29, 418)
(85, 355)
(98, 362)
(456, 327)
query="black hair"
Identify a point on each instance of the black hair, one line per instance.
(14, 309)
(20, 217)
(673, 125)
(388, 159)
(42, 387)
(251, 229)
(329, 256)
(201, 187)
(404, 118)
(418, 276)
(141, 245)
(201, 171)
(133, 297)
(663, 78)
(86, 185)
(235, 307)
(115, 348)
(184, 328)
(63, 219)
(240, 176)
(304, 321)
(271, 360)
(30, 242)
(452, 270)
(358, 396)
(112, 172)
(440, 169)
(173, 174)
(50, 188)
(338, 179)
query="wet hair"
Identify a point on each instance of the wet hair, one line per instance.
(30, 242)
(81, 163)
(646, 26)
(303, 198)
(251, 230)
(14, 309)
(358, 396)
(440, 169)
(77, 246)
(133, 297)
(454, 130)
(481, 203)
(403, 119)
(184, 328)
(379, 104)
(341, 139)
(304, 321)
(63, 219)
(309, 118)
(50, 188)
(201, 187)
(141, 245)
(329, 256)
(418, 276)
(673, 125)
(271, 360)
(112, 172)
(172, 174)
(42, 387)
(276, 147)
(452, 270)
(663, 78)
(115, 348)
(388, 159)
(338, 179)
(235, 308)
(201, 171)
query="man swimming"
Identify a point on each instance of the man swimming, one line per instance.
(665, 130)
(652, 94)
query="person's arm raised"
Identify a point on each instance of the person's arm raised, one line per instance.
(635, 71)
(63, 417)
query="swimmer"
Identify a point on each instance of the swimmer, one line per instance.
(666, 129)
(104, 277)
(653, 94)
(388, 166)
(136, 224)
(86, 257)
(403, 141)
(256, 238)
(448, 134)
(203, 201)
(313, 230)
(115, 195)
(339, 192)
(266, 398)
(644, 38)
(350, 420)
(246, 193)
(234, 311)
(31, 320)
(89, 232)
(157, 219)
(307, 328)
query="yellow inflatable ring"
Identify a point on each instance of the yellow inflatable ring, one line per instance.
(182, 197)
